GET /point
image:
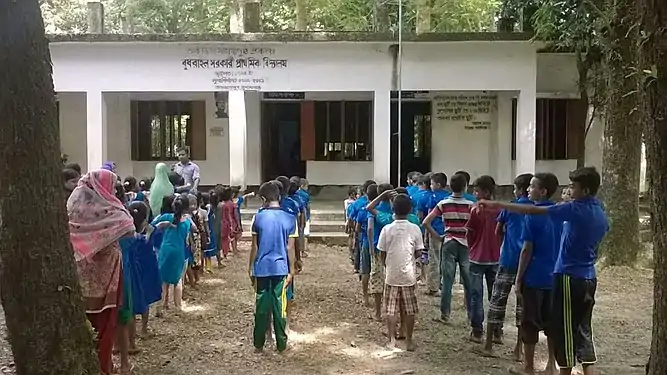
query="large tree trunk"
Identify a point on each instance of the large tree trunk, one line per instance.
(47, 326)
(424, 9)
(381, 21)
(301, 15)
(621, 156)
(654, 59)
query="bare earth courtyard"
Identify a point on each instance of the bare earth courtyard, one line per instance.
(334, 334)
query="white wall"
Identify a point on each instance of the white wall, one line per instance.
(327, 71)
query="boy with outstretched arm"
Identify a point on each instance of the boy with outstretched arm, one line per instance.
(574, 285)
(272, 265)
(541, 241)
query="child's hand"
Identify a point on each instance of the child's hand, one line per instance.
(288, 280)
(299, 266)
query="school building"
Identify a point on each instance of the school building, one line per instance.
(322, 105)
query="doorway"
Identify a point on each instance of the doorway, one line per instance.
(281, 140)
(415, 142)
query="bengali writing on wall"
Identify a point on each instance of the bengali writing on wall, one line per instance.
(235, 68)
(472, 111)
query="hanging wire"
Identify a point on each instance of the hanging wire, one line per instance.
(400, 85)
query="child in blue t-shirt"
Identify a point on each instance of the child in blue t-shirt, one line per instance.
(433, 272)
(510, 226)
(305, 198)
(272, 265)
(541, 241)
(361, 227)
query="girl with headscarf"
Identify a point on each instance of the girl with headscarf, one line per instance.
(97, 221)
(160, 188)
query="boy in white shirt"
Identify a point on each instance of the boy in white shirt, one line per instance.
(400, 244)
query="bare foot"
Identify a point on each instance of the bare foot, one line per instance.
(485, 352)
(259, 350)
(517, 354)
(392, 343)
(521, 371)
(411, 346)
(549, 370)
(133, 351)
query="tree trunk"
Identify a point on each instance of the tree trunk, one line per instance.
(46, 323)
(424, 9)
(381, 20)
(654, 59)
(582, 123)
(621, 157)
(301, 15)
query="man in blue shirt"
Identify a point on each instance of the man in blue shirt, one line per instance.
(510, 226)
(584, 226)
(272, 265)
(433, 272)
(541, 241)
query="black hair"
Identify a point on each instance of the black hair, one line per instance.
(366, 184)
(457, 183)
(588, 178)
(401, 190)
(352, 191)
(130, 184)
(466, 175)
(548, 181)
(139, 211)
(180, 208)
(69, 174)
(401, 205)
(176, 179)
(293, 186)
(296, 180)
(425, 180)
(145, 183)
(522, 182)
(213, 198)
(269, 191)
(372, 192)
(226, 194)
(486, 183)
(384, 187)
(168, 204)
(120, 192)
(74, 166)
(203, 199)
(285, 182)
(235, 191)
(440, 178)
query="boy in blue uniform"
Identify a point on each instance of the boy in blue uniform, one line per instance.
(510, 226)
(413, 180)
(361, 227)
(271, 266)
(433, 272)
(305, 198)
(541, 241)
(584, 226)
(375, 226)
(353, 211)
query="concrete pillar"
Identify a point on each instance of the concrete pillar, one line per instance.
(525, 132)
(381, 136)
(95, 17)
(502, 158)
(96, 135)
(237, 138)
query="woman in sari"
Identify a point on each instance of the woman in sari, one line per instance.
(160, 188)
(97, 220)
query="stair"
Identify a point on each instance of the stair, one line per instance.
(327, 222)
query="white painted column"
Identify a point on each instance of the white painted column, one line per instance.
(253, 161)
(237, 138)
(96, 129)
(382, 136)
(503, 154)
(525, 132)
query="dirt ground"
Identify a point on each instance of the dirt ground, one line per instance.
(334, 334)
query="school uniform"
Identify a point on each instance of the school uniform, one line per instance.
(172, 253)
(352, 212)
(575, 280)
(273, 228)
(305, 198)
(380, 220)
(364, 252)
(508, 266)
(291, 206)
(544, 234)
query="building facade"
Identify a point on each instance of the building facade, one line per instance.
(257, 106)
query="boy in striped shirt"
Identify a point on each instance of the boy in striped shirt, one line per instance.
(455, 212)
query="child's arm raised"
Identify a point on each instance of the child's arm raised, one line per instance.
(165, 225)
(385, 194)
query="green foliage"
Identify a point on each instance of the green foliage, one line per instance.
(203, 16)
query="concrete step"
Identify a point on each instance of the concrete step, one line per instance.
(328, 238)
(315, 226)
(316, 215)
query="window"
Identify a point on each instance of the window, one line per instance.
(343, 130)
(555, 130)
(160, 128)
